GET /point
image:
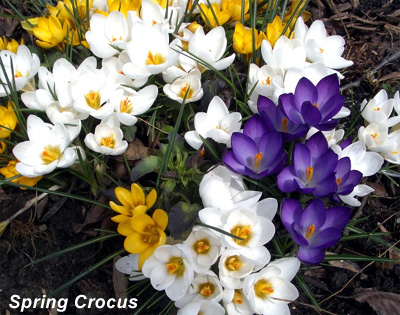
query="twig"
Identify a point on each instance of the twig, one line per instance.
(352, 278)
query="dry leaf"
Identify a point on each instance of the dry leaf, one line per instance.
(137, 151)
(384, 303)
(96, 214)
(120, 282)
(345, 264)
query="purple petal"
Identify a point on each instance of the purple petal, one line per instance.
(311, 114)
(326, 187)
(288, 104)
(270, 146)
(305, 92)
(325, 238)
(285, 180)
(244, 149)
(345, 143)
(317, 145)
(291, 211)
(301, 187)
(297, 235)
(331, 107)
(343, 167)
(313, 214)
(326, 126)
(264, 104)
(337, 217)
(324, 166)
(310, 256)
(230, 161)
(353, 179)
(327, 87)
(301, 159)
(254, 128)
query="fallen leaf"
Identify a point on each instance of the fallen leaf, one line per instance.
(384, 303)
(120, 282)
(137, 151)
(345, 264)
(96, 214)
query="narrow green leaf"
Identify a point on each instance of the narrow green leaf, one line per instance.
(360, 236)
(86, 272)
(210, 148)
(72, 248)
(307, 291)
(376, 239)
(219, 230)
(359, 258)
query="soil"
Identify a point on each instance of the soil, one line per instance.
(372, 32)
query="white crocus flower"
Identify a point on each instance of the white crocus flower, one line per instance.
(374, 136)
(107, 32)
(205, 249)
(286, 54)
(320, 47)
(19, 68)
(128, 103)
(332, 136)
(234, 267)
(67, 116)
(91, 92)
(205, 287)
(202, 307)
(255, 231)
(152, 13)
(209, 47)
(47, 149)
(150, 51)
(217, 124)
(130, 265)
(269, 290)
(266, 81)
(391, 152)
(188, 86)
(170, 269)
(107, 138)
(236, 303)
(222, 189)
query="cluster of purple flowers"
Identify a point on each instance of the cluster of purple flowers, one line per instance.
(315, 168)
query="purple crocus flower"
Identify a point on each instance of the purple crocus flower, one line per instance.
(256, 152)
(314, 229)
(346, 179)
(276, 120)
(314, 105)
(312, 170)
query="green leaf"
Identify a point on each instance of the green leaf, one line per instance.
(145, 166)
(359, 258)
(181, 219)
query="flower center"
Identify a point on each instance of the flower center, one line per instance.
(309, 173)
(186, 90)
(284, 124)
(310, 231)
(237, 297)
(243, 232)
(206, 289)
(108, 142)
(263, 288)
(267, 81)
(233, 263)
(50, 154)
(156, 59)
(93, 99)
(315, 104)
(176, 266)
(374, 136)
(338, 181)
(151, 235)
(18, 74)
(377, 108)
(202, 246)
(126, 106)
(257, 159)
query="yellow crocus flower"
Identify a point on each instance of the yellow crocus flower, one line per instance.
(293, 5)
(8, 120)
(133, 202)
(12, 45)
(122, 6)
(144, 234)
(50, 33)
(243, 40)
(275, 29)
(10, 171)
(208, 13)
(236, 8)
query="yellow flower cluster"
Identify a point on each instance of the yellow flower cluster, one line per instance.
(143, 233)
(230, 11)
(12, 45)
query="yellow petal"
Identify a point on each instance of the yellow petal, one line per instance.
(137, 195)
(134, 243)
(120, 218)
(160, 217)
(125, 228)
(162, 240)
(144, 256)
(139, 210)
(120, 209)
(124, 196)
(141, 222)
(151, 198)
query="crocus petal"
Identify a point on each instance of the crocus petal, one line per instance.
(134, 243)
(310, 256)
(160, 218)
(141, 222)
